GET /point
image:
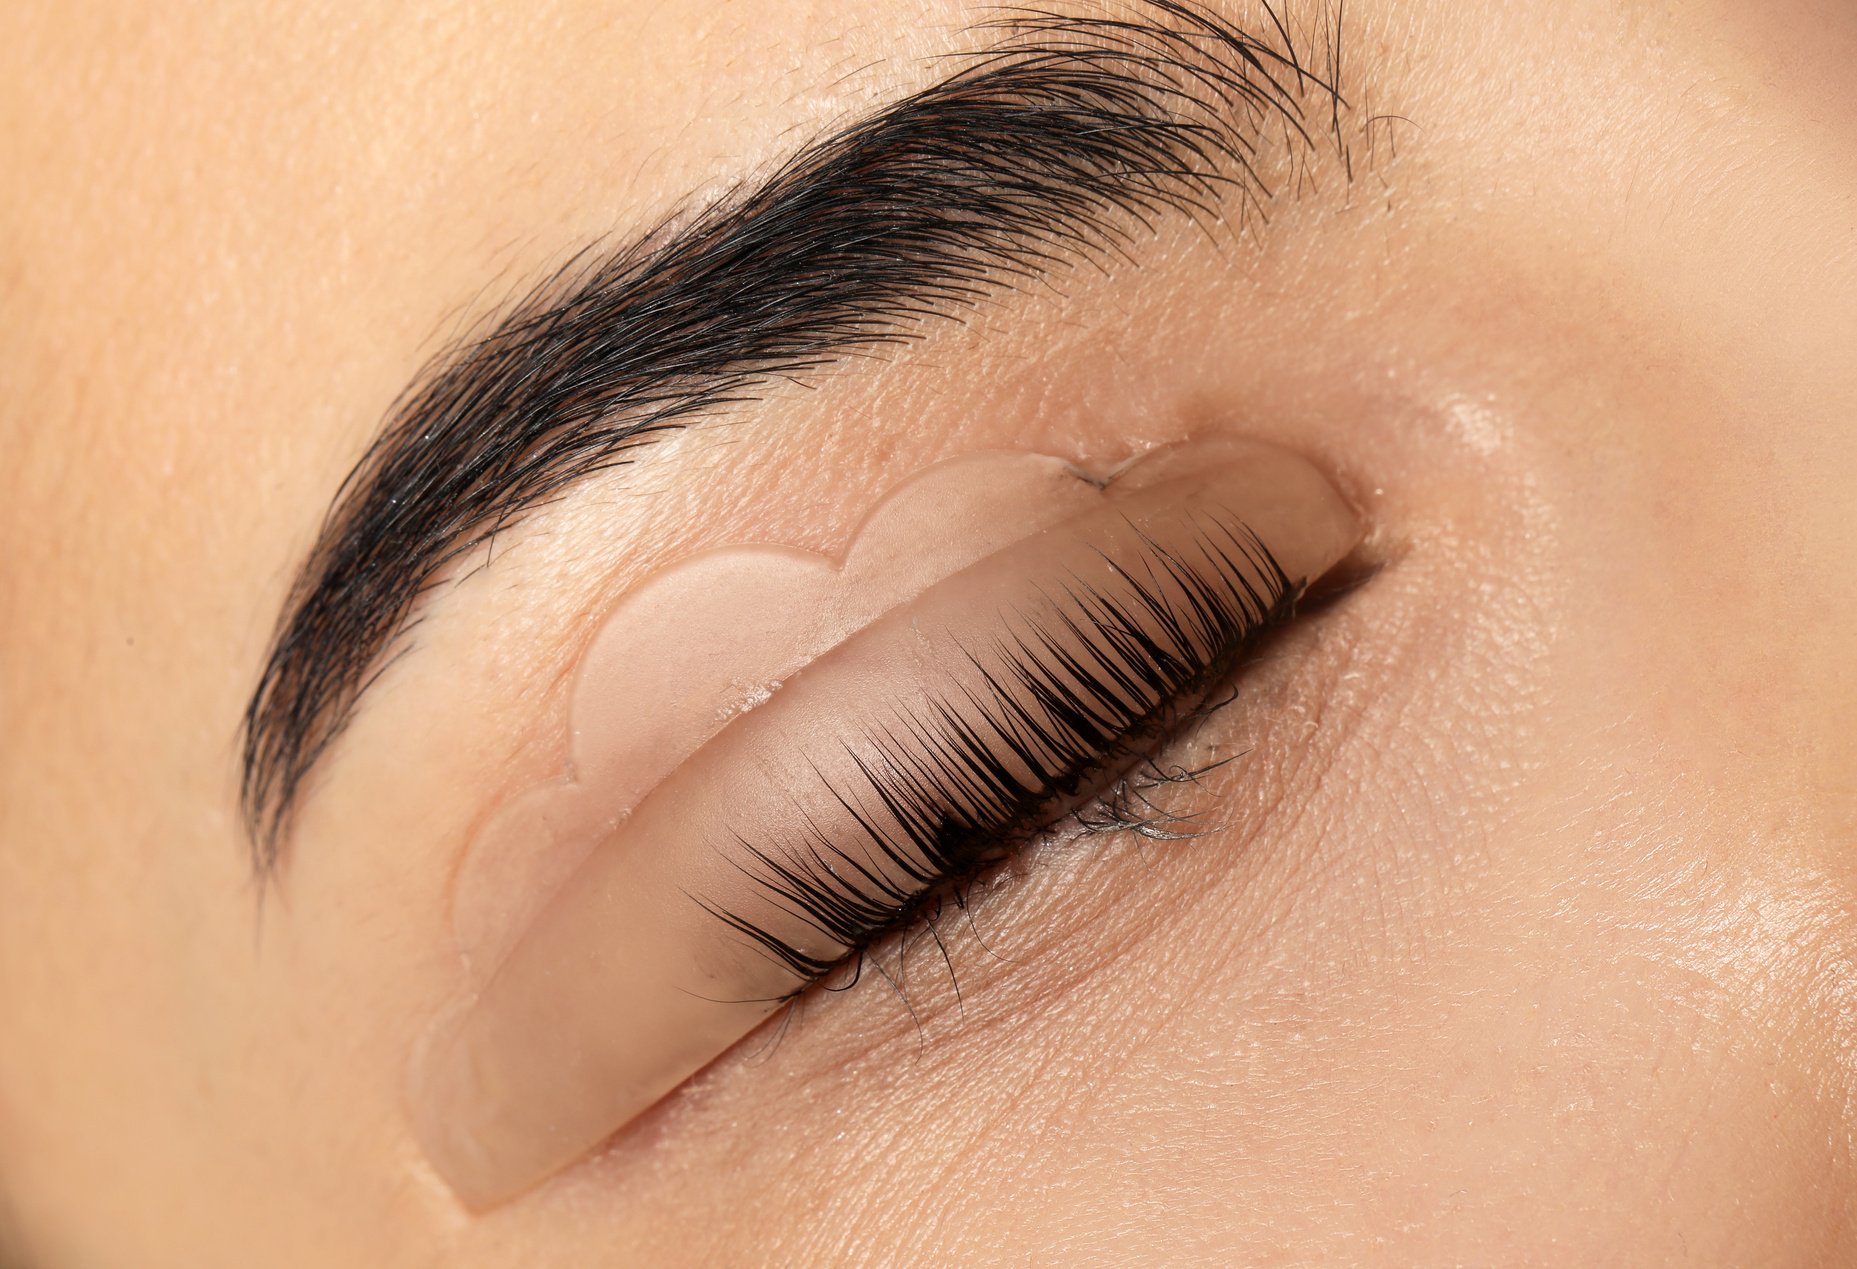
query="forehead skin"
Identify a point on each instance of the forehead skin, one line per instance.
(1558, 963)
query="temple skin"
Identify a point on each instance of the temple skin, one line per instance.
(624, 986)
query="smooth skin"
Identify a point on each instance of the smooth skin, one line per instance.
(1525, 931)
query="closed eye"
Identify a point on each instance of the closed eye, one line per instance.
(895, 767)
(1076, 689)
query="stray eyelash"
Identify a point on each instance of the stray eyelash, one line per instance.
(1068, 703)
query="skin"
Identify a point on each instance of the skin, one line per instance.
(1526, 931)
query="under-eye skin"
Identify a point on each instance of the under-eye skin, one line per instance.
(916, 754)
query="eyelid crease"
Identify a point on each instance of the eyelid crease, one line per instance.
(626, 984)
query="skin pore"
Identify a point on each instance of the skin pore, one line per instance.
(1522, 927)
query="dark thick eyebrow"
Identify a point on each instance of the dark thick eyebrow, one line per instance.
(1069, 136)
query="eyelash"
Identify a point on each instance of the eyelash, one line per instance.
(965, 783)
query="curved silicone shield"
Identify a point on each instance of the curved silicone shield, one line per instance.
(715, 635)
(626, 983)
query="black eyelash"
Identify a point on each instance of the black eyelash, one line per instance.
(1072, 701)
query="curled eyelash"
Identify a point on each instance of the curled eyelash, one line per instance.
(1069, 703)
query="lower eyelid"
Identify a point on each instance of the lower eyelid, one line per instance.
(628, 983)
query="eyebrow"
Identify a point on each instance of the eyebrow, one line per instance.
(1068, 137)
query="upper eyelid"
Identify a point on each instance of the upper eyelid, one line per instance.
(998, 172)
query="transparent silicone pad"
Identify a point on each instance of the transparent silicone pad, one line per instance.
(627, 982)
(716, 635)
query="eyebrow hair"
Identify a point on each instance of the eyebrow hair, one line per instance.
(1068, 137)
